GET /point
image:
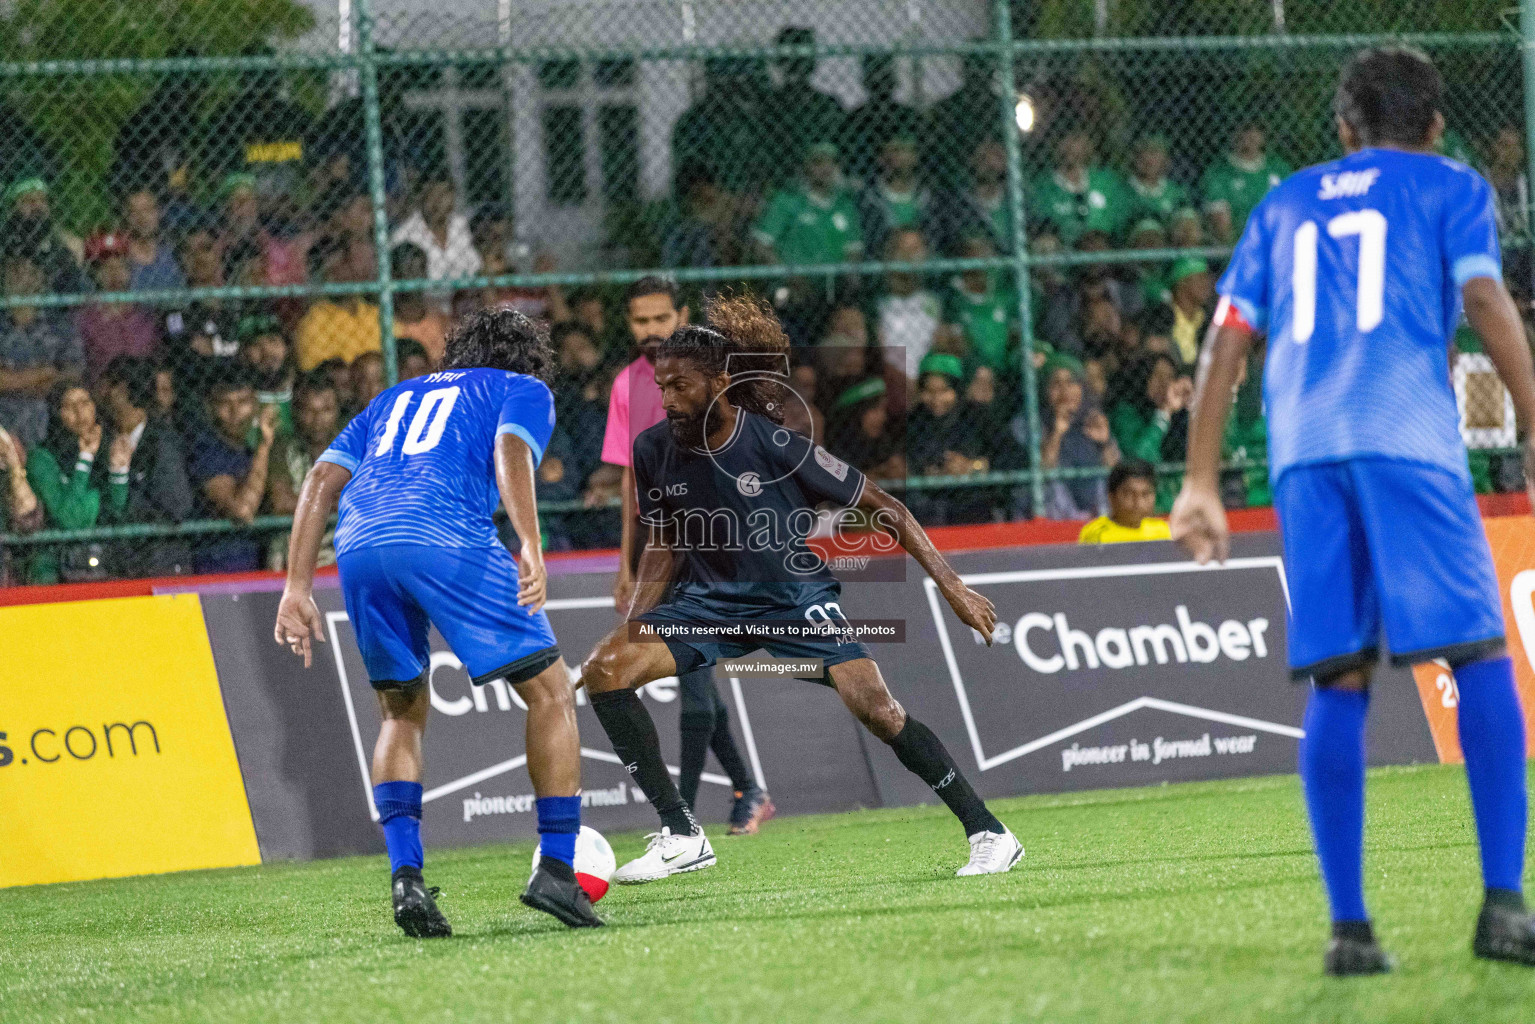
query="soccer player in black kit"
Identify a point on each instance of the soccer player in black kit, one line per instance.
(729, 496)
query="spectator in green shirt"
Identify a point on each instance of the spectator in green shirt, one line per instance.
(1076, 197)
(1235, 183)
(895, 198)
(984, 313)
(813, 221)
(1247, 438)
(1152, 193)
(1149, 414)
(72, 487)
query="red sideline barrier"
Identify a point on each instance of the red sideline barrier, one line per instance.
(128, 588)
(947, 538)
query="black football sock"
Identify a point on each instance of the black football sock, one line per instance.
(698, 698)
(723, 743)
(923, 754)
(633, 735)
(697, 727)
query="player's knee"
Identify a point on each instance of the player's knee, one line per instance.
(550, 689)
(888, 721)
(603, 670)
(880, 713)
(403, 700)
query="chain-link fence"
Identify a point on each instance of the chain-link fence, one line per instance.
(990, 229)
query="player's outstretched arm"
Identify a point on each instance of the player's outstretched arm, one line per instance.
(298, 620)
(514, 479)
(894, 518)
(1198, 519)
(1492, 314)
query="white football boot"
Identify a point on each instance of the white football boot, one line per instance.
(667, 855)
(992, 853)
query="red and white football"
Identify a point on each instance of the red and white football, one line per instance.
(595, 863)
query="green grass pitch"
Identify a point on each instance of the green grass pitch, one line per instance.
(1180, 903)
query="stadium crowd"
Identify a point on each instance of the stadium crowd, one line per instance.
(124, 413)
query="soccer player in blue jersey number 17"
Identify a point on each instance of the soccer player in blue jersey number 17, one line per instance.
(419, 472)
(1357, 271)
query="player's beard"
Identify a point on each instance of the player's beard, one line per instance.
(691, 431)
(650, 346)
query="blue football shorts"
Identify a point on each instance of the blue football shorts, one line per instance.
(1374, 544)
(394, 593)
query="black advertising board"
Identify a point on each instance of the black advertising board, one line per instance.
(305, 738)
(1117, 665)
(1112, 666)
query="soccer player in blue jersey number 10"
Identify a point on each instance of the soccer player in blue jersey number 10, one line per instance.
(419, 472)
(1357, 271)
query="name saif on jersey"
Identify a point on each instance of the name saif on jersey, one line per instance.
(1347, 184)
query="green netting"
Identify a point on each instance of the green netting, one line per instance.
(1008, 214)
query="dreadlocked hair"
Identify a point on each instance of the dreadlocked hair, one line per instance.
(501, 339)
(714, 354)
(758, 351)
(749, 322)
(705, 347)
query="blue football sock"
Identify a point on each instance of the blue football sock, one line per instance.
(559, 821)
(1492, 738)
(1332, 773)
(399, 813)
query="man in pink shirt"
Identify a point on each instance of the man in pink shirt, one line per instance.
(634, 406)
(108, 330)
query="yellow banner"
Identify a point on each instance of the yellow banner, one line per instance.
(274, 152)
(115, 754)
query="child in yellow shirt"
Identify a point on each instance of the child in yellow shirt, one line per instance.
(1132, 499)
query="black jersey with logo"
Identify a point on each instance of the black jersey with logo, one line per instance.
(737, 516)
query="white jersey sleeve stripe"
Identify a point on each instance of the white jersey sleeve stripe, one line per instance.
(520, 431)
